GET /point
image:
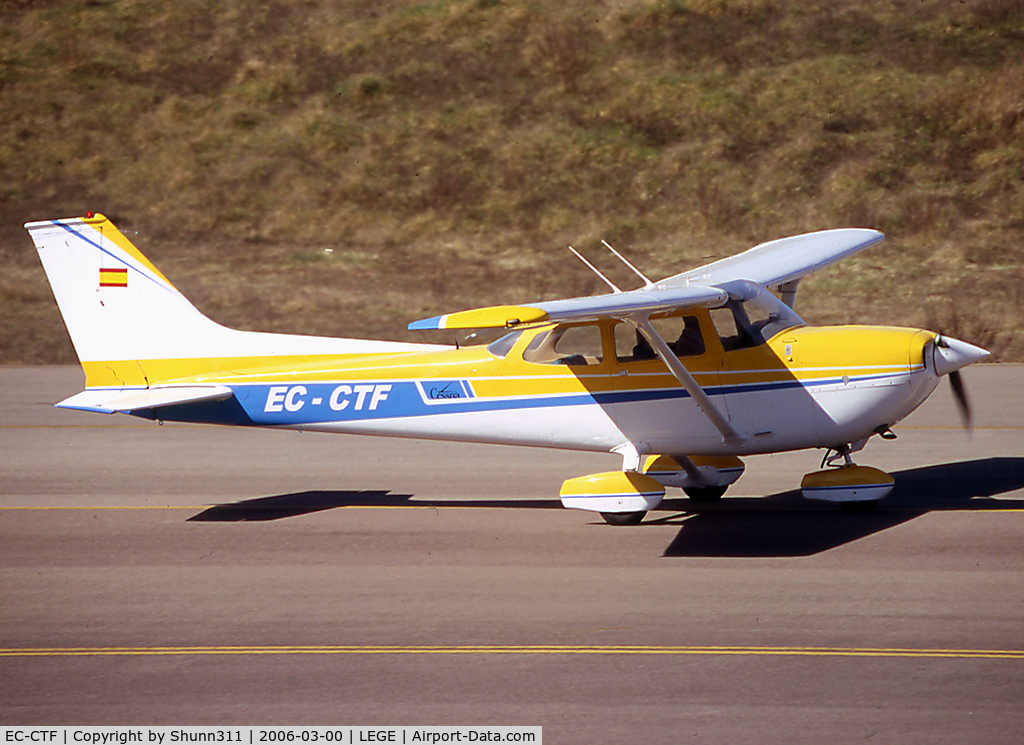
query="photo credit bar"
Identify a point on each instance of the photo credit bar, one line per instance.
(348, 735)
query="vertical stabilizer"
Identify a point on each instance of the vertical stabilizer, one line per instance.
(129, 325)
(116, 305)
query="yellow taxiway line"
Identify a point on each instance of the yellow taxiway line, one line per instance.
(990, 505)
(1001, 654)
(228, 507)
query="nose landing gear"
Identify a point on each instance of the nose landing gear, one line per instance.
(855, 488)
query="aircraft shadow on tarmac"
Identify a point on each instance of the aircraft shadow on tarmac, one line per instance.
(786, 525)
(777, 525)
(304, 503)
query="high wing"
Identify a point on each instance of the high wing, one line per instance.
(579, 309)
(777, 264)
(785, 260)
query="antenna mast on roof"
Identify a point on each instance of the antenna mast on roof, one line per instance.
(594, 269)
(637, 272)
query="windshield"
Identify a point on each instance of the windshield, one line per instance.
(502, 346)
(752, 316)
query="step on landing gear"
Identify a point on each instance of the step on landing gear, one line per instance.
(855, 488)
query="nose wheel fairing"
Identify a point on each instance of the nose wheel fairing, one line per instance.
(847, 484)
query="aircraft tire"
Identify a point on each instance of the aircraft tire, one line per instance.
(705, 493)
(861, 507)
(623, 518)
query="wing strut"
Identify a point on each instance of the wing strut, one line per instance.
(788, 292)
(730, 435)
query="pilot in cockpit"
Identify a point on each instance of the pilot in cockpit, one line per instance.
(690, 341)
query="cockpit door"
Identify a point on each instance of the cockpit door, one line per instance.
(762, 396)
(660, 412)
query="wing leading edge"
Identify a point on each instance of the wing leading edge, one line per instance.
(772, 264)
(580, 308)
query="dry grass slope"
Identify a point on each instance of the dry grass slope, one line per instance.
(447, 151)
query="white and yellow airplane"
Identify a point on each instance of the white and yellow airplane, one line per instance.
(679, 377)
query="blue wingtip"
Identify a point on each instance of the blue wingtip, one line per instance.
(427, 324)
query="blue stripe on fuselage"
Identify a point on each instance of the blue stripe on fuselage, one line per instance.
(317, 402)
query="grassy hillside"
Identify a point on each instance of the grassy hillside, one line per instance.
(448, 151)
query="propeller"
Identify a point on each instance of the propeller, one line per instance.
(956, 383)
(957, 354)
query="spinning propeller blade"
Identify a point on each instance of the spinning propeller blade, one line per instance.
(960, 396)
(950, 356)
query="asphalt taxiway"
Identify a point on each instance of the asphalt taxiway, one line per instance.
(198, 575)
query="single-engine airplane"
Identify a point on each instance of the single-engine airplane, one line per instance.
(680, 377)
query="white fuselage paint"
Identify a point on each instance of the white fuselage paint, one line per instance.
(809, 416)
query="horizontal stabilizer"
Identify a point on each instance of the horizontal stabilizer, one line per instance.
(110, 401)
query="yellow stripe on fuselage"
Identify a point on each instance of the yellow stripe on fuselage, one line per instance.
(801, 354)
(131, 373)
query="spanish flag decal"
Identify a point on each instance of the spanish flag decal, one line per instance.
(113, 277)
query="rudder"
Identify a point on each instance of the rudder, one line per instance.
(132, 328)
(117, 306)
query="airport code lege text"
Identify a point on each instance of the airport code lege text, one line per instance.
(260, 735)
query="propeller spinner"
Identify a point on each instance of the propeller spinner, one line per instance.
(948, 357)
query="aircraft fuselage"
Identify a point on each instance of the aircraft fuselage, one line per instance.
(804, 387)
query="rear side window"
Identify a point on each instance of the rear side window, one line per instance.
(502, 346)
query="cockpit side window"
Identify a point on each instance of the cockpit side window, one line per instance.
(731, 332)
(681, 333)
(566, 345)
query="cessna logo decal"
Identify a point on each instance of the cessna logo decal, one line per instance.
(447, 391)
